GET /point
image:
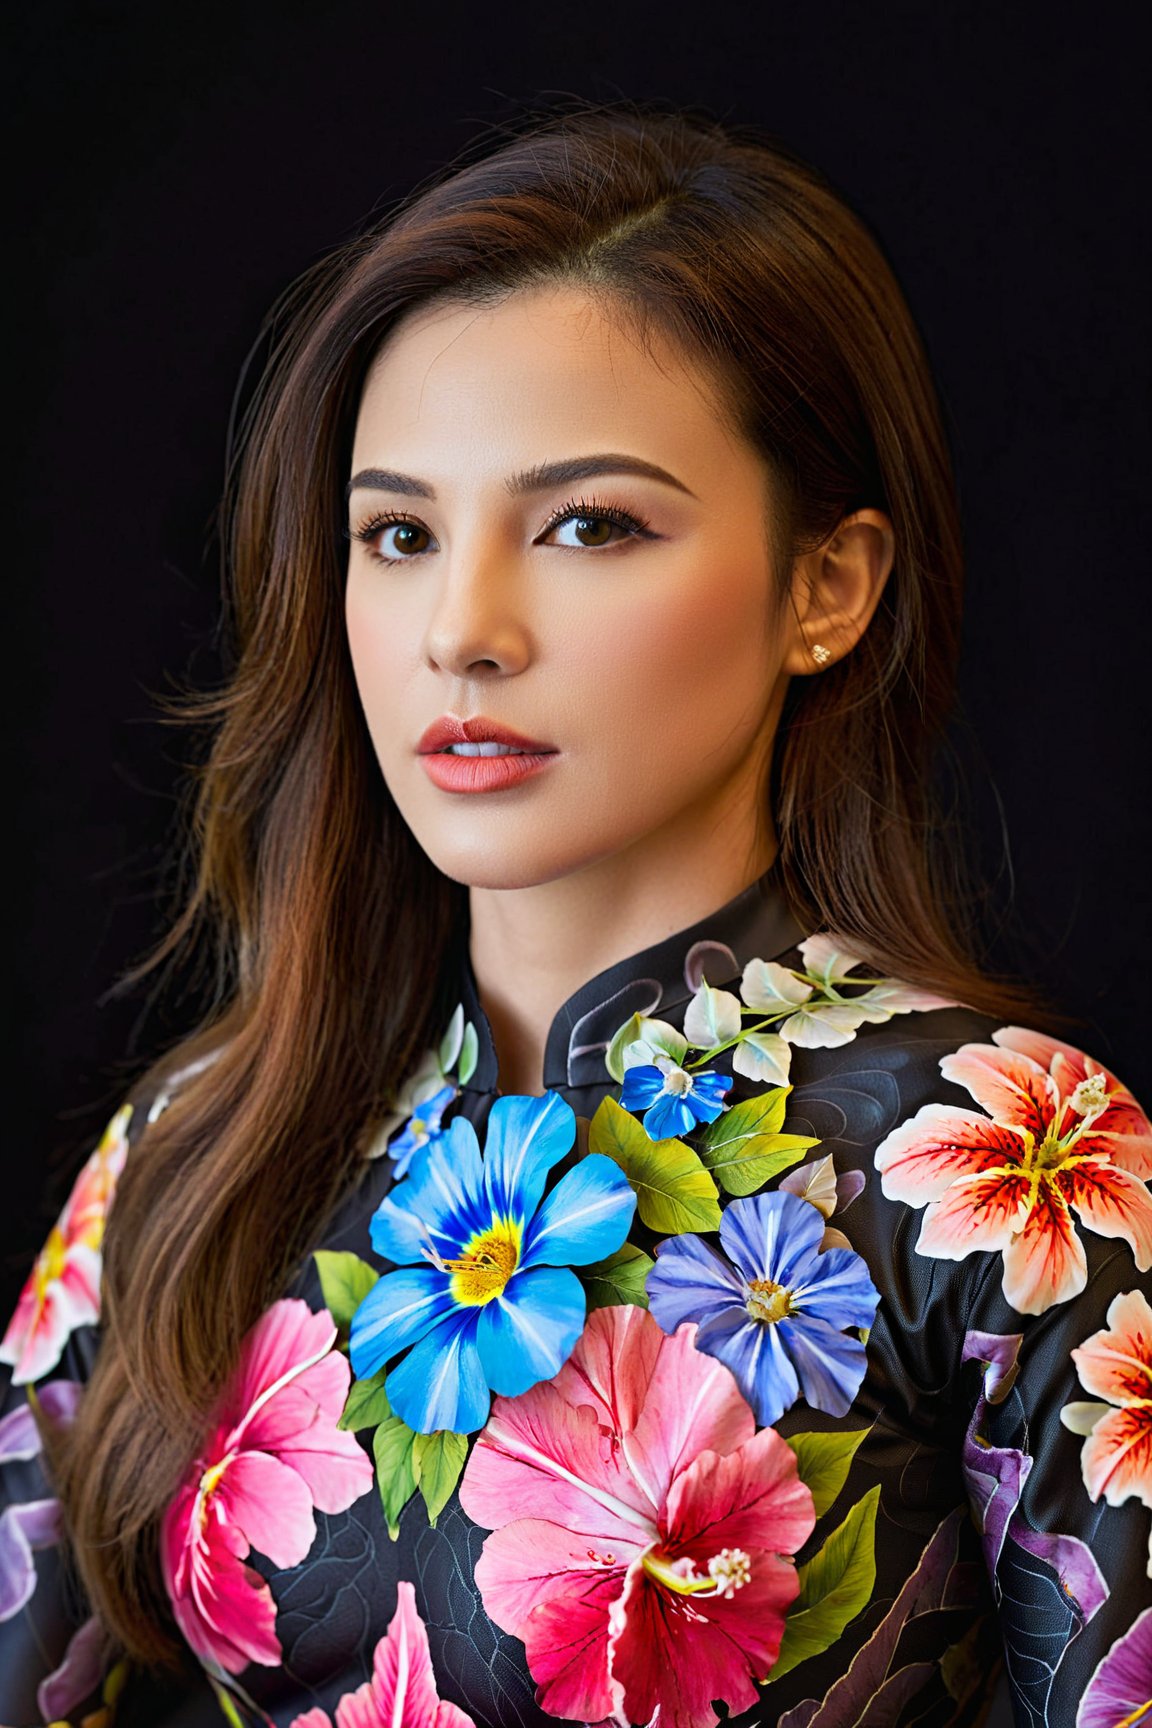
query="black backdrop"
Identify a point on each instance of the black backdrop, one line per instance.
(176, 168)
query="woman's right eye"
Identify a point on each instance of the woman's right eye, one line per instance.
(403, 544)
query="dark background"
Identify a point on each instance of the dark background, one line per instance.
(175, 169)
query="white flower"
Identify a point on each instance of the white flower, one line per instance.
(769, 986)
(712, 1017)
(763, 1056)
(642, 1042)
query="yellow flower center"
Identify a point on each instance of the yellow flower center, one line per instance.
(484, 1268)
(211, 1478)
(209, 1482)
(767, 1301)
(50, 1263)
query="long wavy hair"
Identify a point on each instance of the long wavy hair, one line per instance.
(329, 933)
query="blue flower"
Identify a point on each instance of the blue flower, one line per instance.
(774, 1308)
(673, 1099)
(484, 1298)
(420, 1128)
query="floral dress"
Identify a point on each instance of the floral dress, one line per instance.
(787, 1361)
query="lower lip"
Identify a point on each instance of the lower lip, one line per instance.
(483, 773)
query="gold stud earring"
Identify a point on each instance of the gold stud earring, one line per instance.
(820, 654)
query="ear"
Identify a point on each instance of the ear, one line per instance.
(837, 588)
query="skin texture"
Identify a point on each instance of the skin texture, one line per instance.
(656, 666)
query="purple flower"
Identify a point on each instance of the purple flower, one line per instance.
(29, 1524)
(772, 1307)
(1118, 1691)
(672, 1099)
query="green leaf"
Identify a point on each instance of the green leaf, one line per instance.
(762, 1114)
(823, 1462)
(744, 1148)
(673, 1190)
(392, 1448)
(450, 1043)
(658, 1033)
(469, 1051)
(743, 1167)
(618, 1281)
(345, 1280)
(834, 1586)
(366, 1404)
(438, 1459)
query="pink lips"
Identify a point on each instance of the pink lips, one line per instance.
(479, 773)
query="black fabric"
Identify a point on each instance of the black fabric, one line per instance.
(919, 1398)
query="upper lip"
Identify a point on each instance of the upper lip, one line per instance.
(477, 730)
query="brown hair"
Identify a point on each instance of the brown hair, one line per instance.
(328, 929)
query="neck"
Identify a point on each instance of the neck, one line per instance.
(533, 947)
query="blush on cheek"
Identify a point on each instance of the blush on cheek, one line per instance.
(711, 638)
(375, 637)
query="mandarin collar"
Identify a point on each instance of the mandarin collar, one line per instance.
(655, 981)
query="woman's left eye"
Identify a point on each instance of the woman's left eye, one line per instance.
(591, 524)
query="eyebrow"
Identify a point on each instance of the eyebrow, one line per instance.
(538, 479)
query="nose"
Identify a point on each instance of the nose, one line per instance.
(477, 623)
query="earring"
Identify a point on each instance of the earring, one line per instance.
(820, 654)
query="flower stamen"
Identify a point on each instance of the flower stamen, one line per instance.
(727, 1572)
(488, 1261)
(766, 1300)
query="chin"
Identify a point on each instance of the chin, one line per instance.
(510, 861)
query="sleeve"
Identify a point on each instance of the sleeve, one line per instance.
(1056, 1360)
(52, 1660)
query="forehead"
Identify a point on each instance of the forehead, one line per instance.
(552, 365)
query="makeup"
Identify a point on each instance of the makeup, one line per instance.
(483, 773)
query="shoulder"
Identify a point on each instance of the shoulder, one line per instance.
(62, 1293)
(1005, 1140)
(1012, 1142)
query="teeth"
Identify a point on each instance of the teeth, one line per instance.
(484, 750)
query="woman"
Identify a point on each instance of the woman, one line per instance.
(611, 1255)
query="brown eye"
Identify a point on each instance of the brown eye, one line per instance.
(404, 545)
(589, 523)
(406, 538)
(593, 530)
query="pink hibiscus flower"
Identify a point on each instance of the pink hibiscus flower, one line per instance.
(1062, 1135)
(402, 1690)
(643, 1531)
(63, 1287)
(1116, 1363)
(274, 1453)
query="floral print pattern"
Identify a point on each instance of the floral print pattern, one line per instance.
(273, 1457)
(1116, 1364)
(63, 1289)
(402, 1690)
(485, 1297)
(659, 1417)
(773, 1307)
(1061, 1136)
(1119, 1694)
(426, 1094)
(639, 1526)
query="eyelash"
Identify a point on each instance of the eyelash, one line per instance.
(579, 509)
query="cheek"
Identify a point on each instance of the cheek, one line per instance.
(686, 665)
(374, 646)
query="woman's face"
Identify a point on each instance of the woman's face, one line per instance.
(625, 615)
